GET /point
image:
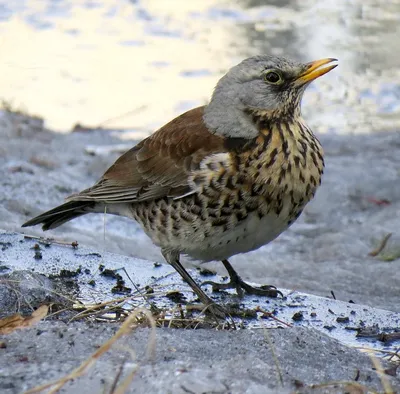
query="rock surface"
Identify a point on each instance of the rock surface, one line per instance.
(189, 361)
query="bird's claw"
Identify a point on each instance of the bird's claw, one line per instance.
(241, 287)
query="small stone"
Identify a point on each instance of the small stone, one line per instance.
(298, 316)
(149, 290)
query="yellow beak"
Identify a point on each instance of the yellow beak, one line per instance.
(313, 70)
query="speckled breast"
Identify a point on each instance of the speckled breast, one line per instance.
(240, 200)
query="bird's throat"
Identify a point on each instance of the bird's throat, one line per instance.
(285, 157)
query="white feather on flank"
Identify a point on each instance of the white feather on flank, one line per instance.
(216, 161)
(208, 165)
(189, 193)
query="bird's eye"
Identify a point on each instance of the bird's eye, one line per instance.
(272, 77)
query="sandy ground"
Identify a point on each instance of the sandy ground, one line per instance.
(194, 362)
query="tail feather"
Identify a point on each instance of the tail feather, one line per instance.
(61, 214)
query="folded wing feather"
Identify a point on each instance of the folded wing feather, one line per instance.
(158, 166)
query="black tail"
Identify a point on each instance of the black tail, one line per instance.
(61, 214)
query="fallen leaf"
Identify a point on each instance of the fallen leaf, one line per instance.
(17, 321)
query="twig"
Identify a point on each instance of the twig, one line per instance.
(48, 241)
(269, 314)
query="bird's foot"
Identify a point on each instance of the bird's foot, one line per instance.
(241, 287)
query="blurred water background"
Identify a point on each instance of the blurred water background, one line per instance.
(137, 64)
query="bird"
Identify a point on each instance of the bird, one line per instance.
(220, 179)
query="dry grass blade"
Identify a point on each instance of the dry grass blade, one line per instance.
(395, 356)
(10, 284)
(97, 310)
(117, 376)
(383, 376)
(392, 356)
(276, 361)
(359, 388)
(123, 387)
(90, 310)
(81, 369)
(381, 246)
(17, 321)
(354, 386)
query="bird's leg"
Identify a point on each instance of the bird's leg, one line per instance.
(211, 307)
(236, 282)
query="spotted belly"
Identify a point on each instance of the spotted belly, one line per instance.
(250, 234)
(209, 233)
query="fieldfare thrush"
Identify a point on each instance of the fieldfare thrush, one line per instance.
(221, 179)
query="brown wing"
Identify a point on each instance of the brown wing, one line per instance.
(159, 165)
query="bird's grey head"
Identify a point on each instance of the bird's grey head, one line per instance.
(268, 84)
